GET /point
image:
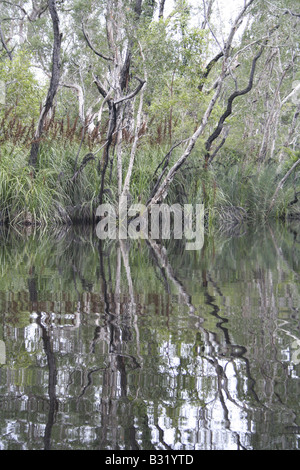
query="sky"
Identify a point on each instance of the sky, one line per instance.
(227, 10)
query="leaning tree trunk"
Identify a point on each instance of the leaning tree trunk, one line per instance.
(54, 83)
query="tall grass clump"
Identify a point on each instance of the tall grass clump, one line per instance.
(48, 195)
(248, 188)
(23, 197)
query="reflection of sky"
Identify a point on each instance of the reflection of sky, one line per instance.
(201, 425)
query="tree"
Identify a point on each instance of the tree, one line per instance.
(54, 82)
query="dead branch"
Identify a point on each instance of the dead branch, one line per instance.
(92, 47)
(230, 101)
(133, 94)
(208, 69)
(9, 53)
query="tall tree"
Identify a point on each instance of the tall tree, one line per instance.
(54, 82)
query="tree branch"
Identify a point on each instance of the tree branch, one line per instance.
(100, 87)
(36, 12)
(162, 190)
(230, 101)
(9, 53)
(92, 47)
(89, 157)
(133, 94)
(208, 69)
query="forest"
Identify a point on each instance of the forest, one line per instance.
(176, 101)
(141, 344)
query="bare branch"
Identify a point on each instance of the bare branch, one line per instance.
(134, 93)
(35, 13)
(164, 163)
(100, 86)
(9, 53)
(230, 101)
(208, 69)
(162, 190)
(92, 47)
(88, 158)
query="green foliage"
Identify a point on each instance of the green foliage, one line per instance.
(23, 91)
(49, 196)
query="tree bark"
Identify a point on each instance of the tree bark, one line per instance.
(161, 9)
(54, 83)
(162, 190)
(230, 101)
(9, 53)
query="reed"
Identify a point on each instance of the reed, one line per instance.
(232, 191)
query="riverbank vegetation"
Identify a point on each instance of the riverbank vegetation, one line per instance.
(163, 101)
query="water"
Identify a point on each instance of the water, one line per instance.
(135, 347)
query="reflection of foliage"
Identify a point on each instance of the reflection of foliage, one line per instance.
(143, 359)
(18, 319)
(20, 360)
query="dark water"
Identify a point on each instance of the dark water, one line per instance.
(134, 347)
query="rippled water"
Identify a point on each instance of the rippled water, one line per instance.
(133, 346)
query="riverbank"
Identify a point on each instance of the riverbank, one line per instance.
(64, 188)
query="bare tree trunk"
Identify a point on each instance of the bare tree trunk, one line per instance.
(230, 101)
(54, 83)
(161, 9)
(126, 185)
(270, 128)
(290, 140)
(162, 190)
(80, 96)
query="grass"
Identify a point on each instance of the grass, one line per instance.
(231, 191)
(251, 187)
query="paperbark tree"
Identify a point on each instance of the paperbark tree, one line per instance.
(118, 94)
(54, 82)
(163, 188)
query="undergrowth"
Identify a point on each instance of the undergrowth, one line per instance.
(230, 191)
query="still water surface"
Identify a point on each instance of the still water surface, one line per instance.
(132, 346)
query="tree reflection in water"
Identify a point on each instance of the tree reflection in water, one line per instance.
(140, 346)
